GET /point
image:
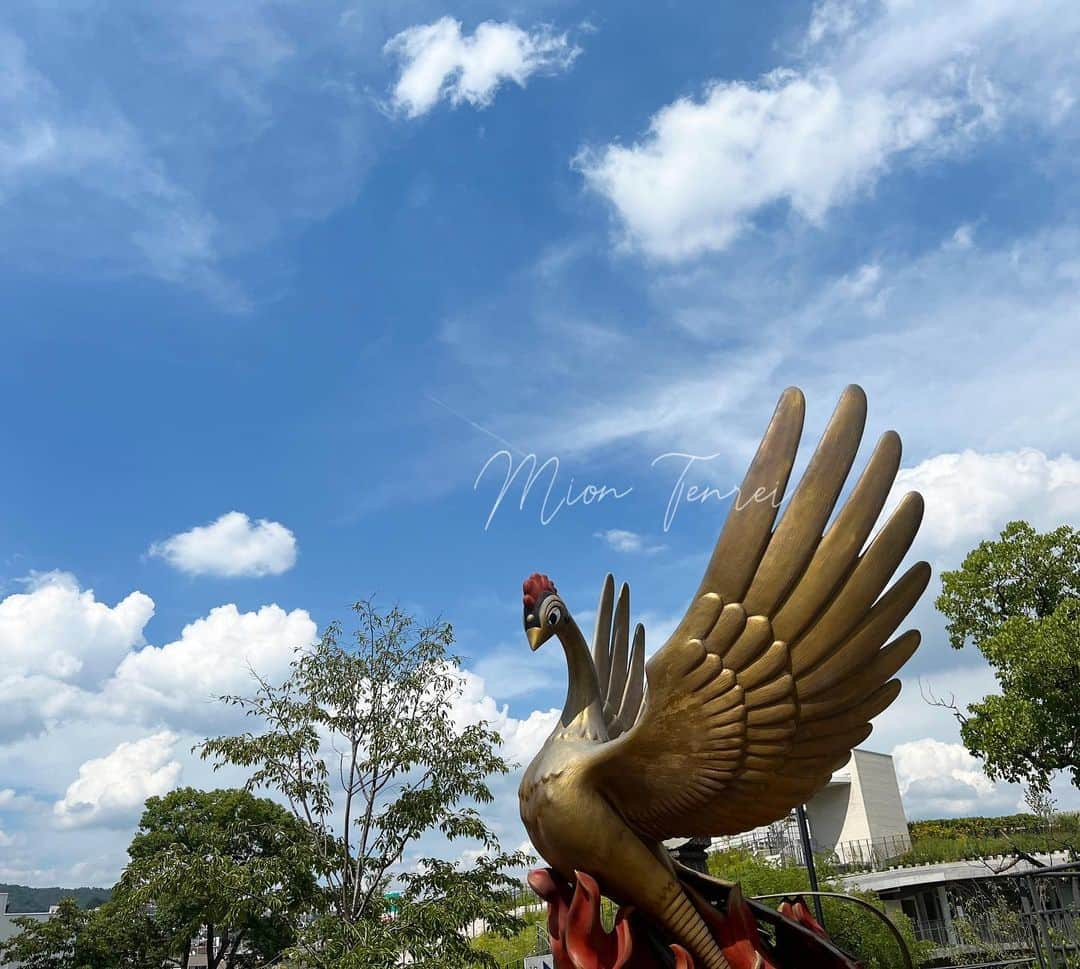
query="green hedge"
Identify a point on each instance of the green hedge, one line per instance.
(978, 827)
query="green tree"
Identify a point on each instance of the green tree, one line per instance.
(1017, 600)
(108, 937)
(225, 862)
(52, 944)
(362, 742)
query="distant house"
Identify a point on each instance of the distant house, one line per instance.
(9, 928)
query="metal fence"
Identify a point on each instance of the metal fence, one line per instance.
(871, 854)
(782, 842)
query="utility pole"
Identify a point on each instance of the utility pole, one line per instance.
(808, 858)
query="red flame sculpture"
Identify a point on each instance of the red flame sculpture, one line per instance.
(578, 937)
(580, 941)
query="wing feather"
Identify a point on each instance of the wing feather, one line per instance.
(778, 666)
(796, 537)
(620, 665)
(602, 637)
(746, 534)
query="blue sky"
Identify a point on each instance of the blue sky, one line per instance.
(280, 278)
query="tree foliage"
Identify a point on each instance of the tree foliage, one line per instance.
(52, 944)
(108, 937)
(362, 742)
(1017, 600)
(224, 862)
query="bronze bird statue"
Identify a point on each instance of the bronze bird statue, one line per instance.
(759, 695)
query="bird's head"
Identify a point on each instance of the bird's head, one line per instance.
(544, 609)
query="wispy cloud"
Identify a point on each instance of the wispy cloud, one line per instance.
(623, 540)
(112, 179)
(438, 61)
(93, 153)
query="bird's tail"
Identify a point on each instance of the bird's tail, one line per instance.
(752, 935)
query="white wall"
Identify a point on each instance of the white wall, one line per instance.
(861, 804)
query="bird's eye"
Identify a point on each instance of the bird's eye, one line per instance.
(554, 616)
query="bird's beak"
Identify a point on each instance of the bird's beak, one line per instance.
(537, 636)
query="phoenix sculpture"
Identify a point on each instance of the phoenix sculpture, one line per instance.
(758, 696)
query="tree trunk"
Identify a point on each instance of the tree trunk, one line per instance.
(233, 947)
(223, 949)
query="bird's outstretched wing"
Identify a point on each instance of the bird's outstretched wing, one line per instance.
(620, 666)
(777, 668)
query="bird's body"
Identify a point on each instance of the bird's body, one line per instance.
(759, 695)
(576, 829)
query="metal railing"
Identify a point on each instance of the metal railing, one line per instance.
(871, 854)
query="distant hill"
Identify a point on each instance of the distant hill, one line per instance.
(23, 899)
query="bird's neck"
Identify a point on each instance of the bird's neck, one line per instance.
(583, 713)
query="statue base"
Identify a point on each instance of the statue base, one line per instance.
(751, 935)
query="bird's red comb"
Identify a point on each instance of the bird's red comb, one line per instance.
(534, 587)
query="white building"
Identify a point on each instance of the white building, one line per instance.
(858, 816)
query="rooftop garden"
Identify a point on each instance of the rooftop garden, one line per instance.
(954, 839)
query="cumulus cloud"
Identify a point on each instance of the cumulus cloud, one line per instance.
(214, 655)
(707, 165)
(939, 779)
(231, 546)
(438, 61)
(869, 92)
(970, 496)
(60, 632)
(521, 739)
(104, 747)
(110, 790)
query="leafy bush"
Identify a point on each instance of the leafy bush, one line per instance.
(529, 941)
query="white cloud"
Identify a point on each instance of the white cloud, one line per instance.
(61, 632)
(232, 545)
(622, 540)
(939, 779)
(963, 237)
(29, 704)
(521, 738)
(214, 655)
(914, 79)
(975, 349)
(970, 496)
(59, 645)
(111, 790)
(438, 61)
(706, 166)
